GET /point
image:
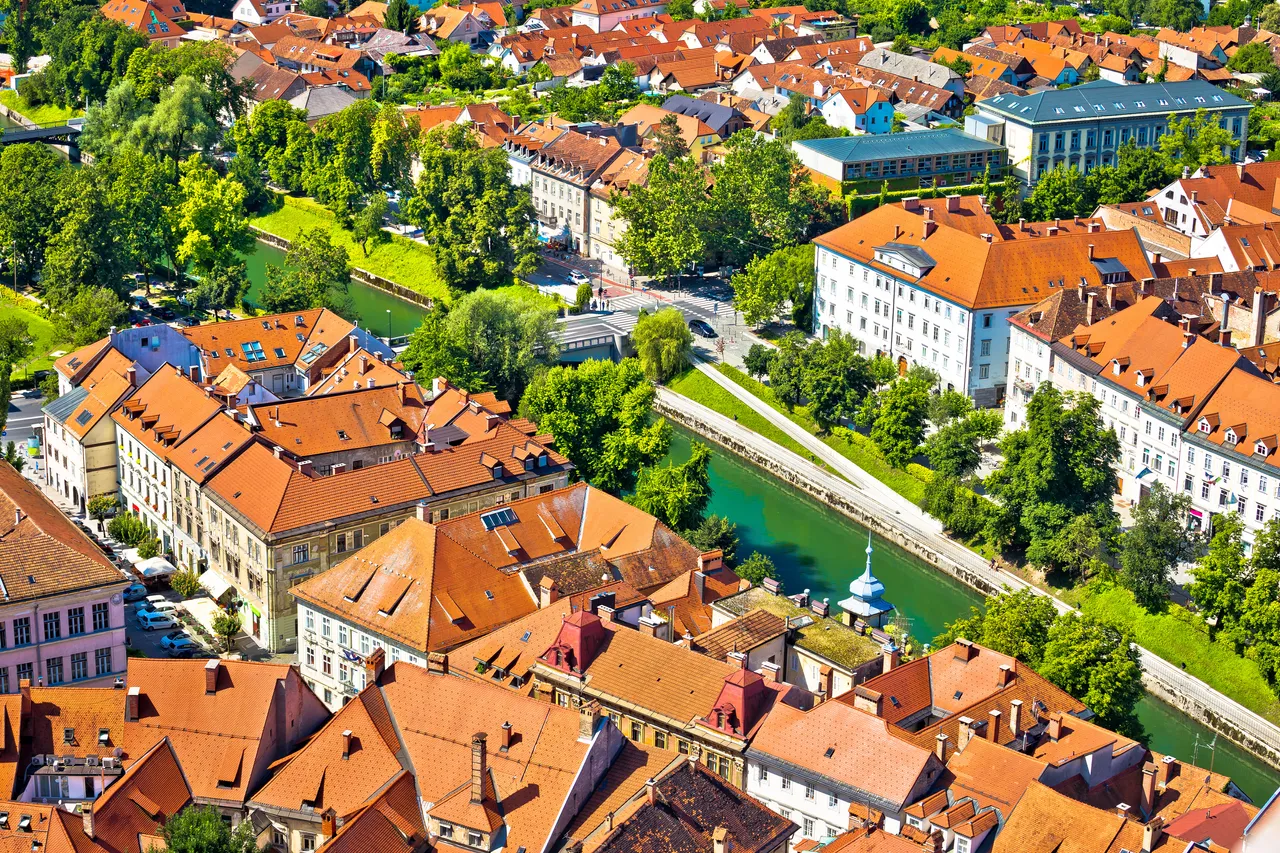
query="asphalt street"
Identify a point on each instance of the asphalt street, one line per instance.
(24, 414)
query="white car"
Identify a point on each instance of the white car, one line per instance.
(151, 620)
(579, 278)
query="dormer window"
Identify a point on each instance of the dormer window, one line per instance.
(1260, 448)
(1204, 426)
(1230, 436)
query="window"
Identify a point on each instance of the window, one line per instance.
(75, 621)
(474, 838)
(984, 348)
(52, 626)
(326, 627)
(762, 774)
(808, 792)
(1259, 513)
(326, 664)
(4, 679)
(808, 822)
(310, 620)
(301, 553)
(53, 671)
(786, 783)
(308, 841)
(1204, 490)
(637, 731)
(986, 321)
(342, 635)
(984, 371)
(962, 844)
(101, 617)
(832, 801)
(79, 666)
(660, 739)
(102, 662)
(311, 656)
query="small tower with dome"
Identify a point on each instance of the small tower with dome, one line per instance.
(865, 599)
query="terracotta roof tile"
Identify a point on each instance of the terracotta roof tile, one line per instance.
(357, 370)
(1045, 821)
(993, 776)
(85, 711)
(742, 634)
(150, 792)
(345, 421)
(210, 447)
(392, 823)
(274, 333)
(165, 411)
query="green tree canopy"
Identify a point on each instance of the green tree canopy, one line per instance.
(318, 275)
(769, 282)
(1252, 58)
(677, 495)
(955, 448)
(1159, 538)
(835, 378)
(662, 342)
(209, 220)
(31, 175)
(1012, 623)
(1223, 574)
(898, 427)
(666, 218)
(1195, 141)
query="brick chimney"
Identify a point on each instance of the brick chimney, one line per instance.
(548, 592)
(87, 816)
(1090, 251)
(329, 822)
(346, 744)
(438, 662)
(1169, 770)
(211, 676)
(507, 733)
(1124, 810)
(1148, 789)
(373, 665)
(868, 700)
(1224, 337)
(400, 392)
(1055, 727)
(965, 650)
(995, 733)
(1005, 678)
(953, 203)
(1088, 312)
(891, 655)
(353, 343)
(651, 791)
(131, 700)
(1015, 717)
(193, 373)
(964, 733)
(588, 719)
(478, 764)
(940, 747)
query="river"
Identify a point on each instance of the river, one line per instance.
(818, 549)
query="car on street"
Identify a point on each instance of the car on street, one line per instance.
(579, 277)
(173, 637)
(150, 620)
(135, 592)
(183, 647)
(702, 328)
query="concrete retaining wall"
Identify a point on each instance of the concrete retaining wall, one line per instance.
(1162, 679)
(357, 274)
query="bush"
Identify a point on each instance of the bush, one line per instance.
(582, 298)
(185, 583)
(129, 529)
(148, 548)
(226, 625)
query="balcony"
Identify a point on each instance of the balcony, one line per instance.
(1024, 384)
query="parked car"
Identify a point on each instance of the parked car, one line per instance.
(135, 592)
(187, 649)
(168, 641)
(702, 328)
(578, 277)
(150, 620)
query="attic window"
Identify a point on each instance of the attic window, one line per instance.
(279, 351)
(1204, 425)
(1260, 448)
(104, 735)
(524, 638)
(342, 434)
(895, 702)
(958, 694)
(266, 324)
(68, 735)
(498, 518)
(831, 750)
(227, 352)
(488, 594)
(1230, 436)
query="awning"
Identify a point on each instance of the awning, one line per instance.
(1146, 474)
(155, 567)
(215, 583)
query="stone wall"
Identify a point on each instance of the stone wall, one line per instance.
(357, 274)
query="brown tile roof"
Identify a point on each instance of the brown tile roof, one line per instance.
(156, 19)
(41, 552)
(1045, 821)
(1247, 407)
(635, 764)
(51, 827)
(75, 363)
(508, 653)
(392, 823)
(840, 742)
(342, 421)
(86, 711)
(692, 599)
(993, 776)
(210, 447)
(308, 52)
(692, 806)
(12, 763)
(105, 386)
(223, 343)
(740, 635)
(150, 792)
(978, 274)
(165, 411)
(218, 736)
(870, 840)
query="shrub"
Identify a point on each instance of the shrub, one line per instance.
(129, 529)
(148, 548)
(185, 583)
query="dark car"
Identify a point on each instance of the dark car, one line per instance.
(703, 328)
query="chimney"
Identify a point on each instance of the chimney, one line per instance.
(867, 700)
(1090, 251)
(1195, 196)
(346, 744)
(1215, 280)
(1111, 295)
(1088, 314)
(1148, 789)
(193, 372)
(651, 790)
(1080, 288)
(940, 747)
(771, 672)
(211, 676)
(329, 822)
(305, 467)
(953, 203)
(897, 231)
(965, 650)
(364, 365)
(1015, 717)
(1055, 727)
(929, 227)
(891, 655)
(912, 203)
(1095, 227)
(1123, 810)
(588, 718)
(700, 584)
(87, 816)
(507, 732)
(720, 840)
(1169, 769)
(986, 237)
(1005, 678)
(422, 512)
(132, 375)
(1157, 258)
(994, 732)
(1147, 287)
(1259, 318)
(1022, 223)
(964, 734)
(373, 665)
(1224, 337)
(1187, 338)
(353, 343)
(1151, 834)
(548, 592)
(438, 662)
(478, 759)
(438, 385)
(1191, 271)
(131, 704)
(1051, 231)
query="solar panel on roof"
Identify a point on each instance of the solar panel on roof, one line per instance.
(84, 417)
(498, 518)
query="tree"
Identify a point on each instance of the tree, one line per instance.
(1076, 549)
(479, 224)
(666, 218)
(140, 197)
(288, 167)
(835, 378)
(88, 53)
(185, 583)
(756, 568)
(223, 287)
(1097, 664)
(758, 360)
(16, 344)
(49, 388)
(315, 8)
(899, 424)
(1062, 192)
(128, 529)
(676, 495)
(769, 282)
(226, 625)
(1195, 141)
(201, 829)
(318, 275)
(1136, 173)
(955, 449)
(263, 134)
(1179, 15)
(148, 548)
(391, 149)
(681, 10)
(154, 72)
(786, 369)
(14, 457)
(369, 221)
(662, 342)
(30, 177)
(208, 219)
(1269, 17)
(582, 297)
(947, 406)
(1252, 58)
(1058, 466)
(1159, 538)
(1011, 623)
(601, 414)
(184, 119)
(399, 16)
(959, 509)
(668, 139)
(247, 172)
(82, 253)
(89, 316)
(715, 533)
(1223, 574)
(618, 82)
(101, 506)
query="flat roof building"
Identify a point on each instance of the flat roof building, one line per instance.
(946, 157)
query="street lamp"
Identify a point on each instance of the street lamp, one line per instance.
(388, 327)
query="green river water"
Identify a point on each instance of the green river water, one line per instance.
(818, 549)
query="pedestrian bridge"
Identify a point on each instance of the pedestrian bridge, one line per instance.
(61, 131)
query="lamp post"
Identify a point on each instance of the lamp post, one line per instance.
(388, 327)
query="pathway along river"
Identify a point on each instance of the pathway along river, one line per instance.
(818, 549)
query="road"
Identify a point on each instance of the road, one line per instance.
(24, 414)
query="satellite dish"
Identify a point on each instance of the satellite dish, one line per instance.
(117, 752)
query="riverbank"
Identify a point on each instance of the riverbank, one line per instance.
(13, 107)
(1163, 679)
(398, 265)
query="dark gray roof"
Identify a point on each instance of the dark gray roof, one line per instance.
(63, 407)
(881, 146)
(1104, 99)
(712, 115)
(916, 255)
(1109, 265)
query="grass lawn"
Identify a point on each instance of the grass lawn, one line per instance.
(403, 261)
(700, 388)
(47, 114)
(1182, 638)
(41, 328)
(857, 448)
